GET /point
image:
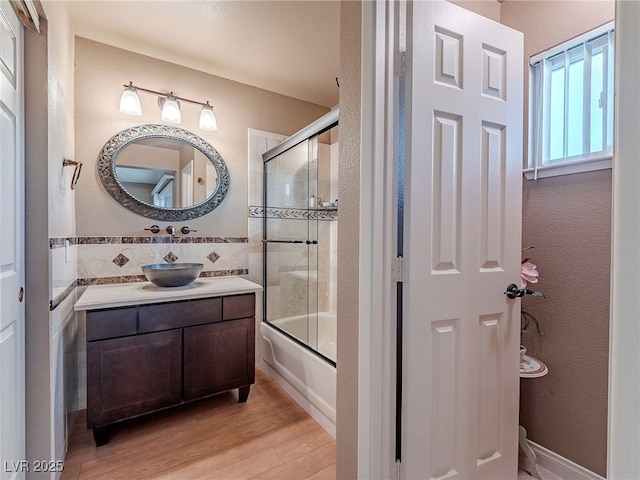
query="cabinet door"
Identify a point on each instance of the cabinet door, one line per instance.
(132, 375)
(218, 357)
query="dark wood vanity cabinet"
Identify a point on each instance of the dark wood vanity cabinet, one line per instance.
(207, 353)
(149, 357)
(133, 375)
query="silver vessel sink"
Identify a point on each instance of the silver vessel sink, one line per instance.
(172, 274)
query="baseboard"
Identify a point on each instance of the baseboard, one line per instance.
(561, 466)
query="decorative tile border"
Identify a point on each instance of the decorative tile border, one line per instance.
(59, 242)
(325, 213)
(157, 239)
(85, 282)
(53, 304)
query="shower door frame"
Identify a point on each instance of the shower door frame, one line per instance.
(313, 130)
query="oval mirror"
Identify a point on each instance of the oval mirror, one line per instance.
(163, 173)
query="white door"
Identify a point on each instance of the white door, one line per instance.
(12, 375)
(464, 181)
(186, 185)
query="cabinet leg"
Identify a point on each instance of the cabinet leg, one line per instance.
(100, 436)
(243, 393)
(531, 456)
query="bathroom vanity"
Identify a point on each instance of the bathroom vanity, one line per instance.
(150, 348)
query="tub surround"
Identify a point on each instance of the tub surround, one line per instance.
(307, 378)
(126, 294)
(294, 276)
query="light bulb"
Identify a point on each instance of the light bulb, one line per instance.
(171, 110)
(129, 102)
(208, 120)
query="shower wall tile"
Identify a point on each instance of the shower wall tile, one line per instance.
(255, 268)
(259, 142)
(333, 172)
(333, 269)
(255, 235)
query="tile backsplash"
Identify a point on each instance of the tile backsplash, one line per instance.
(105, 260)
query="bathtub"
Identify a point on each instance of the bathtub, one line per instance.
(306, 377)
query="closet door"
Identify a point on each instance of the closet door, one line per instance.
(12, 330)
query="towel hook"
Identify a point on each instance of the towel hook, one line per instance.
(67, 162)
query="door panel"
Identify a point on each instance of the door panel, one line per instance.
(460, 397)
(291, 241)
(12, 373)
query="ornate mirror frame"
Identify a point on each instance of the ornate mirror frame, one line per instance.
(107, 171)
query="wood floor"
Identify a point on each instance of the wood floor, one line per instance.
(269, 437)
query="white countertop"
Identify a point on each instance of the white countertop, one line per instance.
(124, 294)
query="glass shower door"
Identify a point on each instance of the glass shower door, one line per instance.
(290, 242)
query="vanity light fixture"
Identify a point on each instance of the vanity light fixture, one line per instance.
(170, 109)
(208, 120)
(170, 105)
(130, 102)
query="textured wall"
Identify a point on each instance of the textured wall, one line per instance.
(50, 211)
(568, 221)
(348, 240)
(61, 120)
(38, 393)
(486, 8)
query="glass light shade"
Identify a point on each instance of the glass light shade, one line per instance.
(130, 103)
(171, 111)
(208, 120)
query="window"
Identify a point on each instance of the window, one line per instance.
(571, 106)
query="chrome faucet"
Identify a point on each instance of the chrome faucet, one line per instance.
(171, 230)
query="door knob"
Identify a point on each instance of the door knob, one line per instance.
(514, 292)
(21, 294)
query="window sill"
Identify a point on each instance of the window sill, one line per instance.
(568, 168)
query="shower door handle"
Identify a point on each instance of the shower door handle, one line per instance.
(283, 241)
(308, 242)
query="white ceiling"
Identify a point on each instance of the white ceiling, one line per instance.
(288, 47)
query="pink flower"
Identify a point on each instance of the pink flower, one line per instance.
(528, 273)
